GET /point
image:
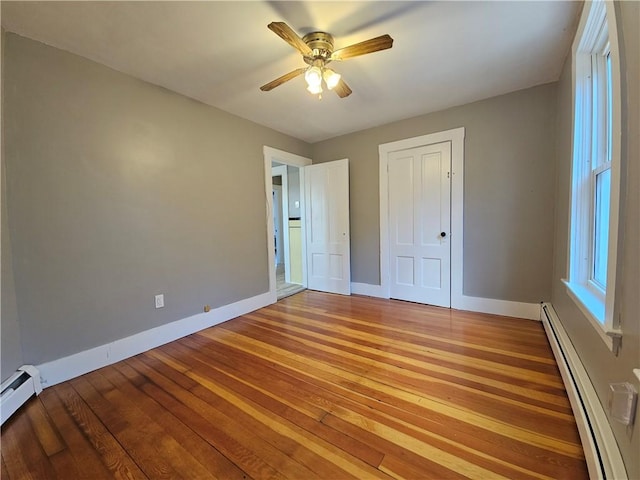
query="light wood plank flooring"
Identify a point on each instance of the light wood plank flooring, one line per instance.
(316, 386)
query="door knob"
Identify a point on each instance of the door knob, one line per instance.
(443, 234)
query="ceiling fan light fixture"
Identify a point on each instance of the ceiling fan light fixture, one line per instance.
(313, 77)
(315, 89)
(331, 78)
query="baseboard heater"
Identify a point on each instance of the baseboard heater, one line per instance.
(17, 389)
(600, 447)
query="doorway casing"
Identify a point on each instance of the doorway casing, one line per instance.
(285, 158)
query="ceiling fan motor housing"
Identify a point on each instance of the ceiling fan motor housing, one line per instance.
(322, 45)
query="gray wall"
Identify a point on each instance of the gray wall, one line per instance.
(508, 192)
(118, 190)
(603, 366)
(293, 181)
(10, 347)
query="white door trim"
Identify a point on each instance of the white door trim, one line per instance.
(456, 137)
(286, 158)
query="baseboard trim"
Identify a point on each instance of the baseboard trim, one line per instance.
(530, 311)
(601, 451)
(66, 368)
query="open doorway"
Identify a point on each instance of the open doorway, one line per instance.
(287, 232)
(294, 224)
(323, 223)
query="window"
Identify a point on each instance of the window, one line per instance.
(595, 172)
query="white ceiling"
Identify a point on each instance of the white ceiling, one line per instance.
(444, 53)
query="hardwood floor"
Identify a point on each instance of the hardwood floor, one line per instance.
(316, 386)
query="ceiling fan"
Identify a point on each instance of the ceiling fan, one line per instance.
(317, 51)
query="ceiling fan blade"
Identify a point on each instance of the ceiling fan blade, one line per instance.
(342, 89)
(285, 32)
(280, 80)
(368, 46)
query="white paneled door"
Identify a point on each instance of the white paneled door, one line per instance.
(420, 223)
(327, 213)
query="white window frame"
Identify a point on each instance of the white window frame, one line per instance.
(596, 37)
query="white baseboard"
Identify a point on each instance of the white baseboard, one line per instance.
(367, 289)
(506, 308)
(62, 369)
(601, 451)
(529, 311)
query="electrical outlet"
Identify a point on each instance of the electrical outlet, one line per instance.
(160, 301)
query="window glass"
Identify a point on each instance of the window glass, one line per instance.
(601, 228)
(609, 108)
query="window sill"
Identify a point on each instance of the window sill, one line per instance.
(593, 308)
